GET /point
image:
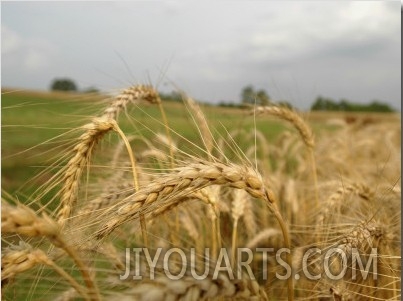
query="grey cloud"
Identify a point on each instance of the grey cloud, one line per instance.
(295, 49)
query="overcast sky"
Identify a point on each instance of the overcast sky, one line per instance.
(211, 50)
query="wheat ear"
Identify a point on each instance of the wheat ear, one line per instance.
(362, 237)
(188, 288)
(183, 181)
(304, 130)
(193, 177)
(94, 131)
(134, 95)
(93, 134)
(336, 198)
(74, 168)
(23, 220)
(292, 117)
(19, 259)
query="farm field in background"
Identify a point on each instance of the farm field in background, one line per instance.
(281, 180)
(30, 118)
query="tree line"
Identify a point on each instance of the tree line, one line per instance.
(250, 96)
(327, 104)
(68, 85)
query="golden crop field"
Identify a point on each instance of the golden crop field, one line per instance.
(133, 198)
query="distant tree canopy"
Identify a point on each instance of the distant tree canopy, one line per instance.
(228, 104)
(328, 104)
(284, 103)
(173, 96)
(91, 90)
(63, 84)
(250, 96)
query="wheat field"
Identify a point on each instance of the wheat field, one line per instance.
(147, 212)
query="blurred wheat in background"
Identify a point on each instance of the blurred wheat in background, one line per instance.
(128, 178)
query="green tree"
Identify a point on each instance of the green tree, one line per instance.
(262, 98)
(250, 96)
(327, 104)
(377, 106)
(324, 104)
(172, 96)
(90, 90)
(285, 104)
(63, 84)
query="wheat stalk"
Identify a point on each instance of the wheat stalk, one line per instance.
(262, 236)
(134, 94)
(190, 225)
(237, 210)
(68, 295)
(211, 195)
(202, 124)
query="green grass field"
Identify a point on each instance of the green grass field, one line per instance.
(32, 123)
